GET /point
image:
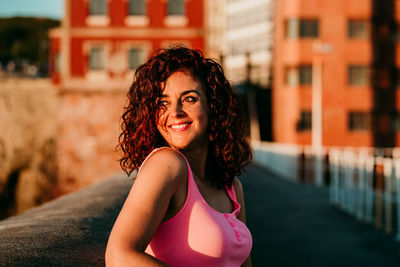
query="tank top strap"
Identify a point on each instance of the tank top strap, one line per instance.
(232, 194)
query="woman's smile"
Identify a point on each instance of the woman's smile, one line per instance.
(180, 127)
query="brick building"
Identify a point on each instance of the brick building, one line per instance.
(351, 47)
(94, 55)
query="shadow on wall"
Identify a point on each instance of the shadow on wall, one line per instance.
(27, 144)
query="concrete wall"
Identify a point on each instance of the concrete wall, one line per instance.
(70, 231)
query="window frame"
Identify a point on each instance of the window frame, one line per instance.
(364, 123)
(141, 55)
(351, 79)
(305, 121)
(102, 12)
(354, 33)
(300, 29)
(143, 11)
(181, 12)
(301, 77)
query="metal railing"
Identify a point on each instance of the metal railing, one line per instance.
(364, 182)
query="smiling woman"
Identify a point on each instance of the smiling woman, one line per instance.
(182, 129)
(182, 119)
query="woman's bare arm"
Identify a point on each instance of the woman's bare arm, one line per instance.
(144, 209)
(242, 214)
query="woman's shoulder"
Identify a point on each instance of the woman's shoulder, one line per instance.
(166, 162)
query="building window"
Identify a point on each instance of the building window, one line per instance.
(359, 121)
(300, 75)
(397, 77)
(302, 28)
(396, 33)
(396, 122)
(176, 7)
(98, 7)
(136, 58)
(305, 122)
(97, 58)
(137, 7)
(358, 75)
(358, 29)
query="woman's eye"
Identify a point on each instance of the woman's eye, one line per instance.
(163, 103)
(190, 99)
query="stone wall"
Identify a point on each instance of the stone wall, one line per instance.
(87, 137)
(54, 141)
(28, 121)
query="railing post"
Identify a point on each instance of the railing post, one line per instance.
(302, 166)
(342, 181)
(354, 183)
(388, 174)
(397, 173)
(361, 186)
(349, 181)
(318, 166)
(379, 192)
(369, 169)
(334, 157)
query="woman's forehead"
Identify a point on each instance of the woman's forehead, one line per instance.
(181, 81)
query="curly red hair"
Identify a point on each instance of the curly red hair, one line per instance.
(228, 151)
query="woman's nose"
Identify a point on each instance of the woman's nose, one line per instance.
(177, 109)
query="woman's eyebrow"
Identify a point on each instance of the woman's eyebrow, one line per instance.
(191, 91)
(183, 93)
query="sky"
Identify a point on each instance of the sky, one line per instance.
(32, 8)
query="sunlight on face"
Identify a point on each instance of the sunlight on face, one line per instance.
(182, 118)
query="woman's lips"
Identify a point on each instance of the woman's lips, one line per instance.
(179, 127)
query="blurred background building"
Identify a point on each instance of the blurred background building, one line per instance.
(248, 41)
(346, 51)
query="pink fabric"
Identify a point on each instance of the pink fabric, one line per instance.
(198, 235)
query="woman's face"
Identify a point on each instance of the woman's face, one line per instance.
(182, 118)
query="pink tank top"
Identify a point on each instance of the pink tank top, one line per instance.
(198, 235)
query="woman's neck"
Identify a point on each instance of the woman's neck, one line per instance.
(197, 159)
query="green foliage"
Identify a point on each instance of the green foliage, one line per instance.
(23, 38)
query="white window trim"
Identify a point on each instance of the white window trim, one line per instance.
(137, 20)
(145, 46)
(98, 20)
(176, 20)
(97, 75)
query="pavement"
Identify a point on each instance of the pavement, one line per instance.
(294, 225)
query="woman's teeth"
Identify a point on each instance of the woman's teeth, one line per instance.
(179, 126)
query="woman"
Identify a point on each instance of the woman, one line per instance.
(182, 130)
